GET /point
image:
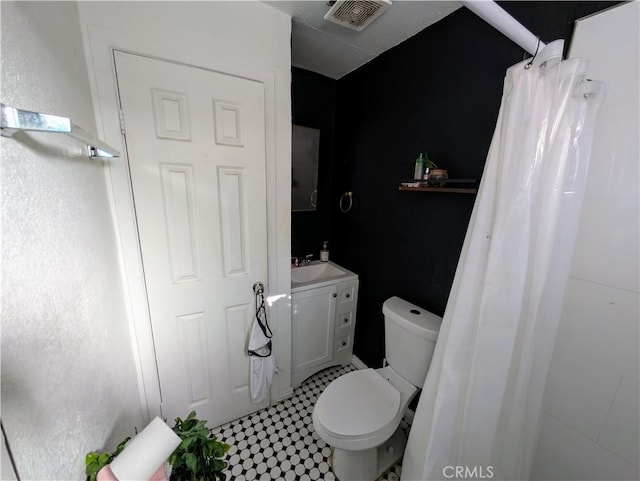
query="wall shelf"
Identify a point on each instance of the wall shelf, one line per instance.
(451, 186)
(450, 190)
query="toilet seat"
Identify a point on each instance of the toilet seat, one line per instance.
(357, 404)
(358, 410)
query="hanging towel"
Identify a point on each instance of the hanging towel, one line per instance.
(263, 363)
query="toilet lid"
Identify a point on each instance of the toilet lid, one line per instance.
(358, 403)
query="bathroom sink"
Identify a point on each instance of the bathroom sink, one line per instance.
(317, 272)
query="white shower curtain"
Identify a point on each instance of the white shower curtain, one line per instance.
(479, 413)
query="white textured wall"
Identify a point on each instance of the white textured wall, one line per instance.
(591, 422)
(68, 378)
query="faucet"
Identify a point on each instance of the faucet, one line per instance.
(295, 262)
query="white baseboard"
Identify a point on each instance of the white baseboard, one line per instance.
(358, 363)
(282, 396)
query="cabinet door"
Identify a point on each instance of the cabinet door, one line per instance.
(312, 327)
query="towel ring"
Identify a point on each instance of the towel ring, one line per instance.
(348, 195)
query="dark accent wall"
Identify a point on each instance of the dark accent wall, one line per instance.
(439, 92)
(313, 104)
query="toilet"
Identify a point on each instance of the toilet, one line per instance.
(359, 413)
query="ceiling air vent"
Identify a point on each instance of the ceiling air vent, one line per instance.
(356, 14)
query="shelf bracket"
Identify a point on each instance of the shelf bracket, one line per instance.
(14, 120)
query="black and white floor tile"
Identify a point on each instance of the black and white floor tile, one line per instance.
(279, 442)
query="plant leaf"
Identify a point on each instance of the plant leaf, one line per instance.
(191, 461)
(121, 447)
(91, 457)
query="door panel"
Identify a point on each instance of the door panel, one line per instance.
(196, 147)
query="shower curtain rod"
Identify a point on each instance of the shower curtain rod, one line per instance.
(495, 16)
(14, 120)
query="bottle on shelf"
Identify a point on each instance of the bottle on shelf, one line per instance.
(419, 169)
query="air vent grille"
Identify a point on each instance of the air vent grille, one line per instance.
(356, 14)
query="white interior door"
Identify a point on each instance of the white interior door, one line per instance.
(196, 147)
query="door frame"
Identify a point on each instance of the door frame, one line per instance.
(100, 43)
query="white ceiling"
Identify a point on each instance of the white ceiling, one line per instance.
(332, 50)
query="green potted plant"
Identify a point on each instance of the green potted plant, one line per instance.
(428, 164)
(199, 457)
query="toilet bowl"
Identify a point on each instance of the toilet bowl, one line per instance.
(359, 413)
(358, 416)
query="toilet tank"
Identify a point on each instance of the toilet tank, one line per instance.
(410, 338)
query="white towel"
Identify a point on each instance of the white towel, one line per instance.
(259, 342)
(263, 363)
(262, 369)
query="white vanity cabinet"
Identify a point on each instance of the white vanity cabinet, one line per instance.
(323, 317)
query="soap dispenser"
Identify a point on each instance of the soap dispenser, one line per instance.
(324, 252)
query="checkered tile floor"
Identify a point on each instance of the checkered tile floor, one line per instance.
(279, 442)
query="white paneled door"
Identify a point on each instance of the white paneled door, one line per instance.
(196, 147)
